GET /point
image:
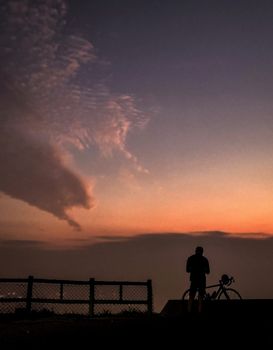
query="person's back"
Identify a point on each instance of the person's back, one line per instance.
(198, 267)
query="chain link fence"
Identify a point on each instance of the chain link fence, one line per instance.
(91, 297)
(129, 294)
(10, 291)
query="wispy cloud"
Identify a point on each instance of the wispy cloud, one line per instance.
(48, 103)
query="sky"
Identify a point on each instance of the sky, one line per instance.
(128, 118)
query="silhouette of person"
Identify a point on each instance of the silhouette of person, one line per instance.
(198, 267)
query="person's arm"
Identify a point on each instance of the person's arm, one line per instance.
(188, 267)
(207, 267)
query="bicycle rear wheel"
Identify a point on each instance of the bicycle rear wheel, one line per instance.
(229, 293)
(186, 295)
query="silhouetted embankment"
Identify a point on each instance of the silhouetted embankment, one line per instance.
(210, 329)
(262, 308)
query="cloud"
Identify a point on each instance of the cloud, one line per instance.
(52, 98)
(46, 60)
(32, 169)
(34, 172)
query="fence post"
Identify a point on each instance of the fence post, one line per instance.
(120, 292)
(91, 297)
(149, 296)
(61, 291)
(29, 293)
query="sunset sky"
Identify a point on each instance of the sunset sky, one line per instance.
(132, 131)
(130, 117)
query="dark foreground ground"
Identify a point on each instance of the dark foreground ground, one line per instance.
(210, 330)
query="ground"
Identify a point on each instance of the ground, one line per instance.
(190, 330)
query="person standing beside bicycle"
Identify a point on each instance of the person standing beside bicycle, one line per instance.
(198, 267)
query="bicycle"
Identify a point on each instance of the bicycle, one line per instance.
(221, 293)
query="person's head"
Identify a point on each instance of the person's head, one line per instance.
(199, 250)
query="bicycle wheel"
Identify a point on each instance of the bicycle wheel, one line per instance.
(229, 293)
(186, 295)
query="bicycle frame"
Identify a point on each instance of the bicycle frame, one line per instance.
(216, 293)
(228, 293)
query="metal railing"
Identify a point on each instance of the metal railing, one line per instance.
(77, 297)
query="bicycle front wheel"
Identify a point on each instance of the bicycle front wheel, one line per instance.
(229, 293)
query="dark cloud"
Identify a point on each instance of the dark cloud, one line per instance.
(21, 243)
(32, 169)
(34, 172)
(161, 257)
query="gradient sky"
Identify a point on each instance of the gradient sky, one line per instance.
(129, 117)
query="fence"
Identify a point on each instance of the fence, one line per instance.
(77, 297)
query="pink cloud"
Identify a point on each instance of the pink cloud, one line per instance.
(45, 108)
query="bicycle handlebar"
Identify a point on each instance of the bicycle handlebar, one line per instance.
(227, 282)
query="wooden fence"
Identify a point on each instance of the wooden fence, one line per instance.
(29, 300)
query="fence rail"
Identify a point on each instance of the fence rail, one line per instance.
(31, 292)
